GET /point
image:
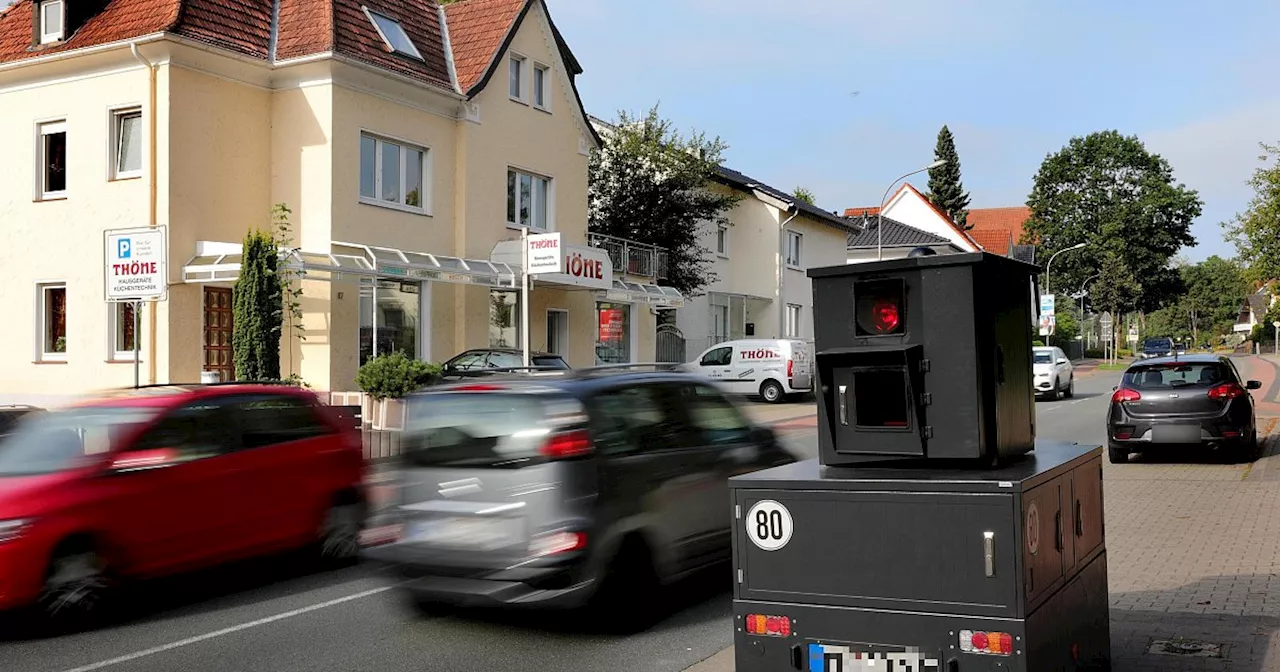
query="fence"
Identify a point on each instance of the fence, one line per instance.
(631, 257)
(670, 344)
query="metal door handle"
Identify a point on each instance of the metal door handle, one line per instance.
(989, 553)
(844, 405)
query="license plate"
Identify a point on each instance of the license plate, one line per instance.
(470, 533)
(1175, 434)
(834, 658)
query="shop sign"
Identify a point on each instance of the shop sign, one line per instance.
(612, 322)
(587, 267)
(137, 264)
(545, 254)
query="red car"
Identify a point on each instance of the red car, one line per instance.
(168, 479)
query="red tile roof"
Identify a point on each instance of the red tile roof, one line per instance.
(357, 38)
(860, 212)
(857, 212)
(995, 241)
(477, 31)
(1007, 219)
(119, 20)
(306, 27)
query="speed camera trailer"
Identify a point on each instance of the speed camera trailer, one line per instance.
(928, 536)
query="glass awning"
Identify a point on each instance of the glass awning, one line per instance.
(663, 297)
(349, 259)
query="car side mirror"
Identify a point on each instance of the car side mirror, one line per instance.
(1064, 361)
(1253, 385)
(1115, 388)
(142, 460)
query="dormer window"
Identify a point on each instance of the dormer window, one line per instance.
(53, 21)
(393, 34)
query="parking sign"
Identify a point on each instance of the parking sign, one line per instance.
(137, 264)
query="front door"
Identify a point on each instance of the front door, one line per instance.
(217, 333)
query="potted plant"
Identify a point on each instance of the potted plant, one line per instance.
(386, 380)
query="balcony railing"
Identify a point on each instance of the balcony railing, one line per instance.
(631, 257)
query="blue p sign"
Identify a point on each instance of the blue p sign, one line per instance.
(123, 248)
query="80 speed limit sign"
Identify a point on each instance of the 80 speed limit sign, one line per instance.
(769, 525)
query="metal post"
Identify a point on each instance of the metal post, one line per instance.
(524, 294)
(137, 344)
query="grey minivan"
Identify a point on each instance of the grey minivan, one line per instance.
(589, 488)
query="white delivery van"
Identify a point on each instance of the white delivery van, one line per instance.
(775, 369)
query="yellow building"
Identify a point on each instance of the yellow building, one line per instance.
(410, 141)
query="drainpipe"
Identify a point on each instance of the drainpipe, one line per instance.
(150, 116)
(782, 270)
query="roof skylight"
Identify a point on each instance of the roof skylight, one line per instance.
(393, 34)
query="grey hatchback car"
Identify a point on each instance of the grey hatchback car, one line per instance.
(580, 489)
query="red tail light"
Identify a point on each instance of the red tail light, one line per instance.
(998, 643)
(568, 444)
(559, 542)
(772, 626)
(791, 363)
(1226, 391)
(479, 387)
(1125, 394)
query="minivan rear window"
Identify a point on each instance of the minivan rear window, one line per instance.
(474, 430)
(1176, 375)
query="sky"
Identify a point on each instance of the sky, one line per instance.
(843, 96)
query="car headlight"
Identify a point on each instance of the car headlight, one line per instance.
(13, 529)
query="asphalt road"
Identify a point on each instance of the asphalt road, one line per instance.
(268, 616)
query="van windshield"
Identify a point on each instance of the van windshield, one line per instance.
(45, 443)
(474, 430)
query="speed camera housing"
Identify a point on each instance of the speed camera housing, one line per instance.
(924, 358)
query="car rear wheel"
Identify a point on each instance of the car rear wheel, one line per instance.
(340, 534)
(1118, 454)
(771, 391)
(76, 586)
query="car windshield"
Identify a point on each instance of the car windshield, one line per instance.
(1043, 357)
(1176, 375)
(45, 443)
(474, 430)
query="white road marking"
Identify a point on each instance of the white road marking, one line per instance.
(226, 631)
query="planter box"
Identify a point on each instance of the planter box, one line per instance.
(346, 399)
(390, 415)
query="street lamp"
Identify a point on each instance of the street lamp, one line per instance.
(1083, 293)
(880, 214)
(1050, 264)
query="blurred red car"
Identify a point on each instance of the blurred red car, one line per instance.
(167, 479)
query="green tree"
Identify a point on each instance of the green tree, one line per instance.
(1215, 288)
(650, 183)
(1066, 326)
(1116, 290)
(1107, 191)
(945, 189)
(802, 194)
(258, 309)
(1256, 231)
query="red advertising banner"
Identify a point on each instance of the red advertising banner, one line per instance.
(612, 322)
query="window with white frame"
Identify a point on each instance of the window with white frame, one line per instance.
(529, 200)
(122, 322)
(793, 320)
(392, 34)
(51, 157)
(541, 86)
(393, 174)
(722, 240)
(126, 143)
(515, 86)
(53, 21)
(51, 300)
(794, 241)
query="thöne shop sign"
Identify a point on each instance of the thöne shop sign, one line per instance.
(137, 264)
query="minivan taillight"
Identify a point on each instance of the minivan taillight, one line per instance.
(1226, 391)
(791, 364)
(1125, 394)
(568, 444)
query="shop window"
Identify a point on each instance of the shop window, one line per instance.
(390, 318)
(613, 343)
(504, 319)
(52, 298)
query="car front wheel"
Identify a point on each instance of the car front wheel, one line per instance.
(1055, 391)
(1071, 388)
(75, 589)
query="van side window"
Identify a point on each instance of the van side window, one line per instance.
(633, 419)
(718, 357)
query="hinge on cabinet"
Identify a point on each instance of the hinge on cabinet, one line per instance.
(924, 366)
(739, 576)
(927, 432)
(926, 398)
(737, 511)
